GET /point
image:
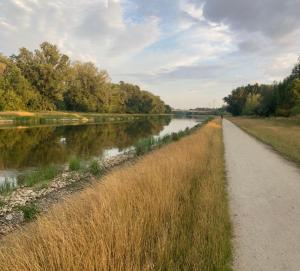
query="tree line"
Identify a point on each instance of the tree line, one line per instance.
(277, 99)
(46, 79)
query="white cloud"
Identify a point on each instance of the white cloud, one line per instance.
(187, 51)
(94, 29)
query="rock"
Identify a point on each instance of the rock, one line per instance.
(9, 217)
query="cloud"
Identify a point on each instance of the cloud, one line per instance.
(92, 30)
(187, 51)
(273, 18)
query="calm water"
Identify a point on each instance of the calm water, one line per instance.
(25, 148)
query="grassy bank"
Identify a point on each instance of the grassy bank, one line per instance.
(283, 134)
(42, 118)
(168, 211)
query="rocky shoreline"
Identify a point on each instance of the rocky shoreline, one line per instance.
(66, 183)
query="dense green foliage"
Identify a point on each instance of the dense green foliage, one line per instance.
(277, 99)
(47, 80)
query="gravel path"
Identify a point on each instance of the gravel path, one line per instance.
(264, 192)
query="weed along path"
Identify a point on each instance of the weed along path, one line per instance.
(264, 192)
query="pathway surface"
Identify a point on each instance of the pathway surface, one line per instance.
(264, 192)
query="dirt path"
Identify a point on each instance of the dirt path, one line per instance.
(264, 192)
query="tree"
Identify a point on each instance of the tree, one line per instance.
(280, 99)
(47, 70)
(46, 80)
(252, 104)
(16, 92)
(267, 102)
(87, 89)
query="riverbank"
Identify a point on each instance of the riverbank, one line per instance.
(31, 190)
(282, 134)
(38, 198)
(22, 118)
(167, 211)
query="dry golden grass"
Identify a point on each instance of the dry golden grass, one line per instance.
(283, 134)
(168, 211)
(17, 113)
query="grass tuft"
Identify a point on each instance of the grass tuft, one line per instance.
(7, 187)
(41, 176)
(96, 168)
(144, 145)
(75, 164)
(30, 212)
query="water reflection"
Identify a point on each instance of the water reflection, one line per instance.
(32, 147)
(22, 149)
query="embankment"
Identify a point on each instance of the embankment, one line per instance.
(168, 211)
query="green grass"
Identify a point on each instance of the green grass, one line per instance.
(7, 187)
(95, 168)
(147, 144)
(75, 164)
(282, 134)
(40, 177)
(144, 145)
(30, 212)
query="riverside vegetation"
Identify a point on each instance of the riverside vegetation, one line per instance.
(277, 99)
(168, 211)
(42, 176)
(49, 183)
(47, 80)
(9, 119)
(283, 134)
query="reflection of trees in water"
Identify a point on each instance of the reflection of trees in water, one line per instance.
(21, 148)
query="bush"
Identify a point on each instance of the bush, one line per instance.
(96, 168)
(144, 145)
(75, 164)
(30, 212)
(282, 112)
(295, 110)
(175, 136)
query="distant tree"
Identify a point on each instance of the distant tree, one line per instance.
(168, 109)
(88, 88)
(251, 105)
(16, 92)
(236, 101)
(267, 102)
(47, 70)
(296, 71)
(45, 79)
(280, 99)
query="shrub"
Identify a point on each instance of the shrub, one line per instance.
(30, 212)
(96, 168)
(144, 145)
(75, 164)
(174, 136)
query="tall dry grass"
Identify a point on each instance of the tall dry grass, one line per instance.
(283, 134)
(168, 211)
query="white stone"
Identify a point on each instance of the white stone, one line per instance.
(9, 217)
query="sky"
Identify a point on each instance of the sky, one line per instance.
(191, 53)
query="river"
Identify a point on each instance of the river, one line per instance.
(26, 148)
